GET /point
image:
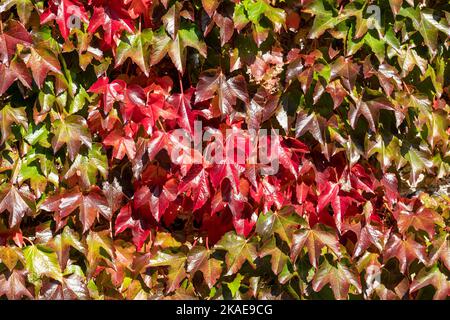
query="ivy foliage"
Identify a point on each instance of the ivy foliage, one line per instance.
(95, 203)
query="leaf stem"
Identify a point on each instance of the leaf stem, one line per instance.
(28, 239)
(180, 78)
(161, 125)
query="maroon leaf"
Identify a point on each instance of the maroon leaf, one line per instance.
(212, 83)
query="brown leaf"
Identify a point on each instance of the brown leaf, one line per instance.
(14, 287)
(406, 251)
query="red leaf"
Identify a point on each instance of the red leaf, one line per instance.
(157, 198)
(17, 202)
(212, 83)
(139, 7)
(61, 11)
(125, 221)
(13, 33)
(182, 103)
(406, 251)
(370, 235)
(112, 91)
(314, 240)
(417, 218)
(226, 26)
(196, 181)
(113, 18)
(244, 226)
(90, 205)
(16, 71)
(14, 287)
(121, 145)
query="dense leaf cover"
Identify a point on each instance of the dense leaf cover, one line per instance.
(94, 203)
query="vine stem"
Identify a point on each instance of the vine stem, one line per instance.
(28, 239)
(161, 125)
(180, 78)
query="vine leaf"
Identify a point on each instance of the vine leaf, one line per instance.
(339, 277)
(111, 91)
(121, 145)
(9, 256)
(406, 251)
(23, 8)
(435, 278)
(40, 261)
(62, 11)
(196, 181)
(113, 19)
(14, 287)
(440, 250)
(90, 205)
(17, 202)
(13, 33)
(238, 251)
(422, 219)
(71, 131)
(210, 6)
(8, 116)
(283, 223)
(177, 270)
(314, 240)
(278, 259)
(136, 47)
(17, 70)
(157, 198)
(199, 258)
(41, 61)
(72, 287)
(176, 48)
(213, 83)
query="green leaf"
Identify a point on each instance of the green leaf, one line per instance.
(339, 278)
(38, 135)
(38, 182)
(426, 24)
(238, 250)
(99, 243)
(23, 7)
(41, 261)
(73, 132)
(278, 258)
(240, 19)
(323, 19)
(283, 222)
(79, 101)
(136, 47)
(199, 258)
(176, 263)
(235, 284)
(8, 116)
(419, 162)
(377, 46)
(87, 167)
